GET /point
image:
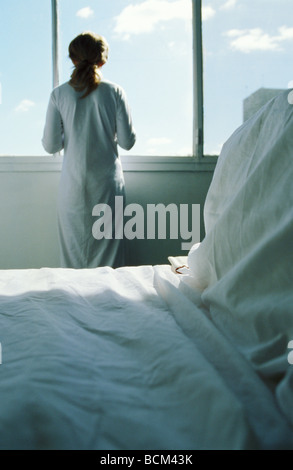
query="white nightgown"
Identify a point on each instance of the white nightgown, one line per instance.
(90, 131)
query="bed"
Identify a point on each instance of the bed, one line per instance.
(190, 355)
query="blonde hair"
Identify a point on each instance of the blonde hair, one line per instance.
(88, 51)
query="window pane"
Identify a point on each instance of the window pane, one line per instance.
(150, 57)
(25, 75)
(247, 46)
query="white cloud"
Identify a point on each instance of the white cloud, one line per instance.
(157, 145)
(184, 151)
(285, 33)
(145, 16)
(213, 150)
(24, 106)
(228, 5)
(207, 13)
(85, 12)
(248, 40)
(159, 141)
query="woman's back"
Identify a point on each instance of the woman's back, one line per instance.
(88, 117)
(93, 128)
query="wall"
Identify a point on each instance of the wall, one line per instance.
(164, 187)
(28, 195)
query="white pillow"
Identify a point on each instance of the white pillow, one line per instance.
(248, 212)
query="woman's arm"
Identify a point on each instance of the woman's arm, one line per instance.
(53, 136)
(126, 135)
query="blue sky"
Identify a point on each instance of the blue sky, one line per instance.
(247, 46)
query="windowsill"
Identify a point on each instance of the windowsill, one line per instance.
(129, 163)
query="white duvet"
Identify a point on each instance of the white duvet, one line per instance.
(105, 359)
(94, 359)
(143, 358)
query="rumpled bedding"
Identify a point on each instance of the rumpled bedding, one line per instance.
(95, 359)
(152, 357)
(244, 266)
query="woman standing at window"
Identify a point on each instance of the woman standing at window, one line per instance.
(88, 117)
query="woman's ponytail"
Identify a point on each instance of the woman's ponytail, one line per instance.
(88, 52)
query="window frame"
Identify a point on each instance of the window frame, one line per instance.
(197, 67)
(196, 162)
(197, 59)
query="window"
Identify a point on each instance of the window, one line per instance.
(247, 49)
(161, 52)
(150, 56)
(25, 75)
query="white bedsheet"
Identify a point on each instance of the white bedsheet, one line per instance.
(123, 359)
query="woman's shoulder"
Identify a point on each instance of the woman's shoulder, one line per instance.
(113, 89)
(111, 86)
(63, 88)
(106, 87)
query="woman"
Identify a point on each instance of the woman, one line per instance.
(88, 117)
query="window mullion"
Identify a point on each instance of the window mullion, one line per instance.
(55, 41)
(197, 79)
(55, 46)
